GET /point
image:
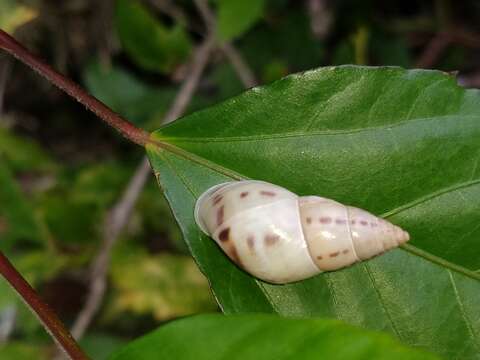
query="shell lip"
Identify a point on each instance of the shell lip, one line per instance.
(206, 194)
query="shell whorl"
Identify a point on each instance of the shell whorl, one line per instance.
(339, 235)
(279, 237)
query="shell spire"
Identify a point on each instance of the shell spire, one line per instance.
(339, 235)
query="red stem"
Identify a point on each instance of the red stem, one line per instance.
(50, 321)
(127, 129)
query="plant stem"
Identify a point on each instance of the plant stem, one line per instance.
(118, 216)
(127, 129)
(47, 317)
(244, 72)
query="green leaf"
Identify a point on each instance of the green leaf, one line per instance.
(237, 17)
(14, 15)
(225, 81)
(99, 345)
(264, 337)
(21, 351)
(149, 42)
(38, 266)
(390, 50)
(165, 286)
(68, 221)
(394, 142)
(289, 40)
(153, 207)
(71, 210)
(17, 220)
(23, 154)
(128, 96)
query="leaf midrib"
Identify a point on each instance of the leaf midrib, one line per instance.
(445, 265)
(220, 139)
(161, 146)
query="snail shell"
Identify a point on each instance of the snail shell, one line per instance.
(280, 237)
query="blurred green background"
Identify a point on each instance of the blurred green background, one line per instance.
(61, 169)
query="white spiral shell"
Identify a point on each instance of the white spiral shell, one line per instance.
(280, 237)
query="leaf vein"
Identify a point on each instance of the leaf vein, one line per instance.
(466, 319)
(381, 301)
(334, 96)
(182, 179)
(422, 91)
(428, 197)
(310, 134)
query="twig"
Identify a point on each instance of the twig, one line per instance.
(465, 37)
(121, 211)
(46, 316)
(168, 7)
(207, 15)
(241, 68)
(434, 50)
(243, 71)
(321, 17)
(127, 129)
(8, 317)
(245, 74)
(442, 40)
(185, 94)
(469, 80)
(115, 219)
(104, 26)
(5, 66)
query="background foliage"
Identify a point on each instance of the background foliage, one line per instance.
(61, 170)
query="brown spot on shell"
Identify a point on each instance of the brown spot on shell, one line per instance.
(309, 220)
(217, 199)
(335, 254)
(251, 242)
(244, 194)
(340, 221)
(353, 222)
(234, 256)
(325, 220)
(271, 239)
(224, 235)
(364, 222)
(219, 188)
(220, 215)
(319, 257)
(345, 251)
(267, 193)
